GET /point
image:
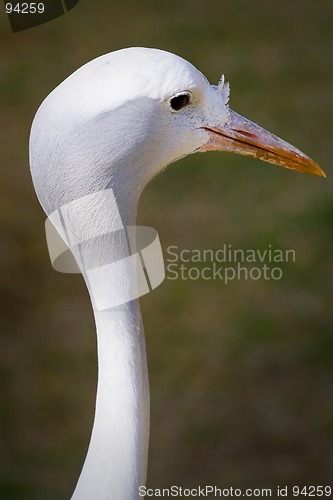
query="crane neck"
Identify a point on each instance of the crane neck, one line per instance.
(116, 461)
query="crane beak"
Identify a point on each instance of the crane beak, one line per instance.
(244, 137)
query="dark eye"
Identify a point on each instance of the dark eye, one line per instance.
(179, 101)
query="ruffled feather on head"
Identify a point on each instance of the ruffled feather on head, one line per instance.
(223, 88)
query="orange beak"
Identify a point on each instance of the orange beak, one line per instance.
(244, 137)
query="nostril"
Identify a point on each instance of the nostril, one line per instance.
(245, 134)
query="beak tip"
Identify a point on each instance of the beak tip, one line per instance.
(318, 171)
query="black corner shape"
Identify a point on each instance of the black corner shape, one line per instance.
(25, 15)
(71, 3)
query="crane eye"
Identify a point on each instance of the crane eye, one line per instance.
(179, 101)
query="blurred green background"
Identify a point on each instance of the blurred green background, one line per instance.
(241, 374)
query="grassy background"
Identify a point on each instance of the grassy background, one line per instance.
(241, 374)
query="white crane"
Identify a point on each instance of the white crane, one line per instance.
(112, 125)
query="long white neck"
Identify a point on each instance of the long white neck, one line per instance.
(116, 462)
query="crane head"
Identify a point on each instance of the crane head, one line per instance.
(123, 117)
